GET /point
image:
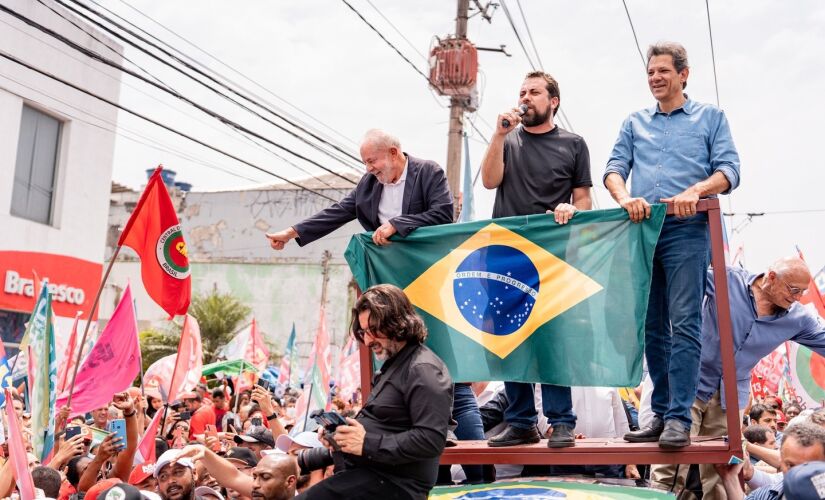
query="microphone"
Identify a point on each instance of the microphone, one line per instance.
(522, 108)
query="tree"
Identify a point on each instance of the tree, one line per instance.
(219, 316)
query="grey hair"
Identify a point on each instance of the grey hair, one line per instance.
(786, 265)
(378, 137)
(672, 49)
(806, 434)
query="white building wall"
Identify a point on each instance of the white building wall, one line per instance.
(86, 151)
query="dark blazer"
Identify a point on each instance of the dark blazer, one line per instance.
(427, 202)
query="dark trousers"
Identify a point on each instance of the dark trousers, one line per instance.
(355, 484)
(556, 402)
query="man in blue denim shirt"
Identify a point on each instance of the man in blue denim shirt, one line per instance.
(679, 151)
(764, 314)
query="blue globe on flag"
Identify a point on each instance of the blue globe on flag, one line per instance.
(495, 288)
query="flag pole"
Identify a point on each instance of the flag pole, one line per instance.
(309, 403)
(174, 372)
(89, 322)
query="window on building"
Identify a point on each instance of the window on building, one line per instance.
(36, 168)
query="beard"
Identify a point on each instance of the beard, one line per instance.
(388, 350)
(533, 118)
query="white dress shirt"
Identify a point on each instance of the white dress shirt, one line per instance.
(392, 197)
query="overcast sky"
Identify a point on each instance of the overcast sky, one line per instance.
(319, 57)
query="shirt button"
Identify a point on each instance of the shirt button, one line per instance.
(657, 184)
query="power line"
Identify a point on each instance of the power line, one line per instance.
(209, 77)
(712, 54)
(219, 61)
(562, 115)
(397, 30)
(157, 123)
(213, 114)
(169, 149)
(518, 36)
(635, 39)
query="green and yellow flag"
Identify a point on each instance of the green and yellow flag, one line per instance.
(523, 298)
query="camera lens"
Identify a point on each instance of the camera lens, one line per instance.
(314, 459)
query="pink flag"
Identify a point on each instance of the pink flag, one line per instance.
(68, 358)
(113, 363)
(316, 383)
(256, 351)
(146, 447)
(189, 360)
(17, 453)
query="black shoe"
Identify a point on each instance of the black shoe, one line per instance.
(512, 436)
(676, 435)
(649, 434)
(562, 437)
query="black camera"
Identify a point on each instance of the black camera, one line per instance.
(329, 420)
(313, 459)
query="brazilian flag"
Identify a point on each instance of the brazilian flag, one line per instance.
(526, 299)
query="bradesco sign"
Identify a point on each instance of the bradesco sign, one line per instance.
(72, 282)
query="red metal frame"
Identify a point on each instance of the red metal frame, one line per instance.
(617, 451)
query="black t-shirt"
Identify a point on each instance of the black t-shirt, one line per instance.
(541, 171)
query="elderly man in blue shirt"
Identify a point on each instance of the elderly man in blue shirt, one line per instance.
(678, 152)
(764, 314)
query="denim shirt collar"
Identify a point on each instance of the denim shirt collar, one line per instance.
(688, 107)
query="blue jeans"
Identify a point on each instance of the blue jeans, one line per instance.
(465, 412)
(556, 402)
(673, 328)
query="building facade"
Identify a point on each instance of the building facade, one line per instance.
(56, 151)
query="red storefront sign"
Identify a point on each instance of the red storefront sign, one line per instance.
(73, 282)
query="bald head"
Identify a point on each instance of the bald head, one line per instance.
(275, 477)
(791, 268)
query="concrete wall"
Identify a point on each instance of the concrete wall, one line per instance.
(228, 251)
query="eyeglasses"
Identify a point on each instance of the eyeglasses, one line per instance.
(794, 291)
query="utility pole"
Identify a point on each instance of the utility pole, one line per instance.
(457, 106)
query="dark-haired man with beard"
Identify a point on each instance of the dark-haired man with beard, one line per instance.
(391, 449)
(537, 168)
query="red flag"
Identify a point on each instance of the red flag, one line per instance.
(770, 369)
(153, 231)
(17, 452)
(189, 362)
(146, 447)
(68, 358)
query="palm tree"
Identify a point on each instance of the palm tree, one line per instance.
(219, 316)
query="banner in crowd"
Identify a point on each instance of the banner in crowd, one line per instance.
(190, 363)
(153, 231)
(524, 298)
(807, 375)
(17, 453)
(349, 370)
(112, 364)
(38, 342)
(288, 372)
(5, 374)
(69, 358)
(315, 394)
(768, 372)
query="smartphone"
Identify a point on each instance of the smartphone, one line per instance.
(262, 382)
(118, 428)
(73, 431)
(184, 415)
(257, 422)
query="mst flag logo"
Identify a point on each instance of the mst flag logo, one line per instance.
(497, 288)
(171, 253)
